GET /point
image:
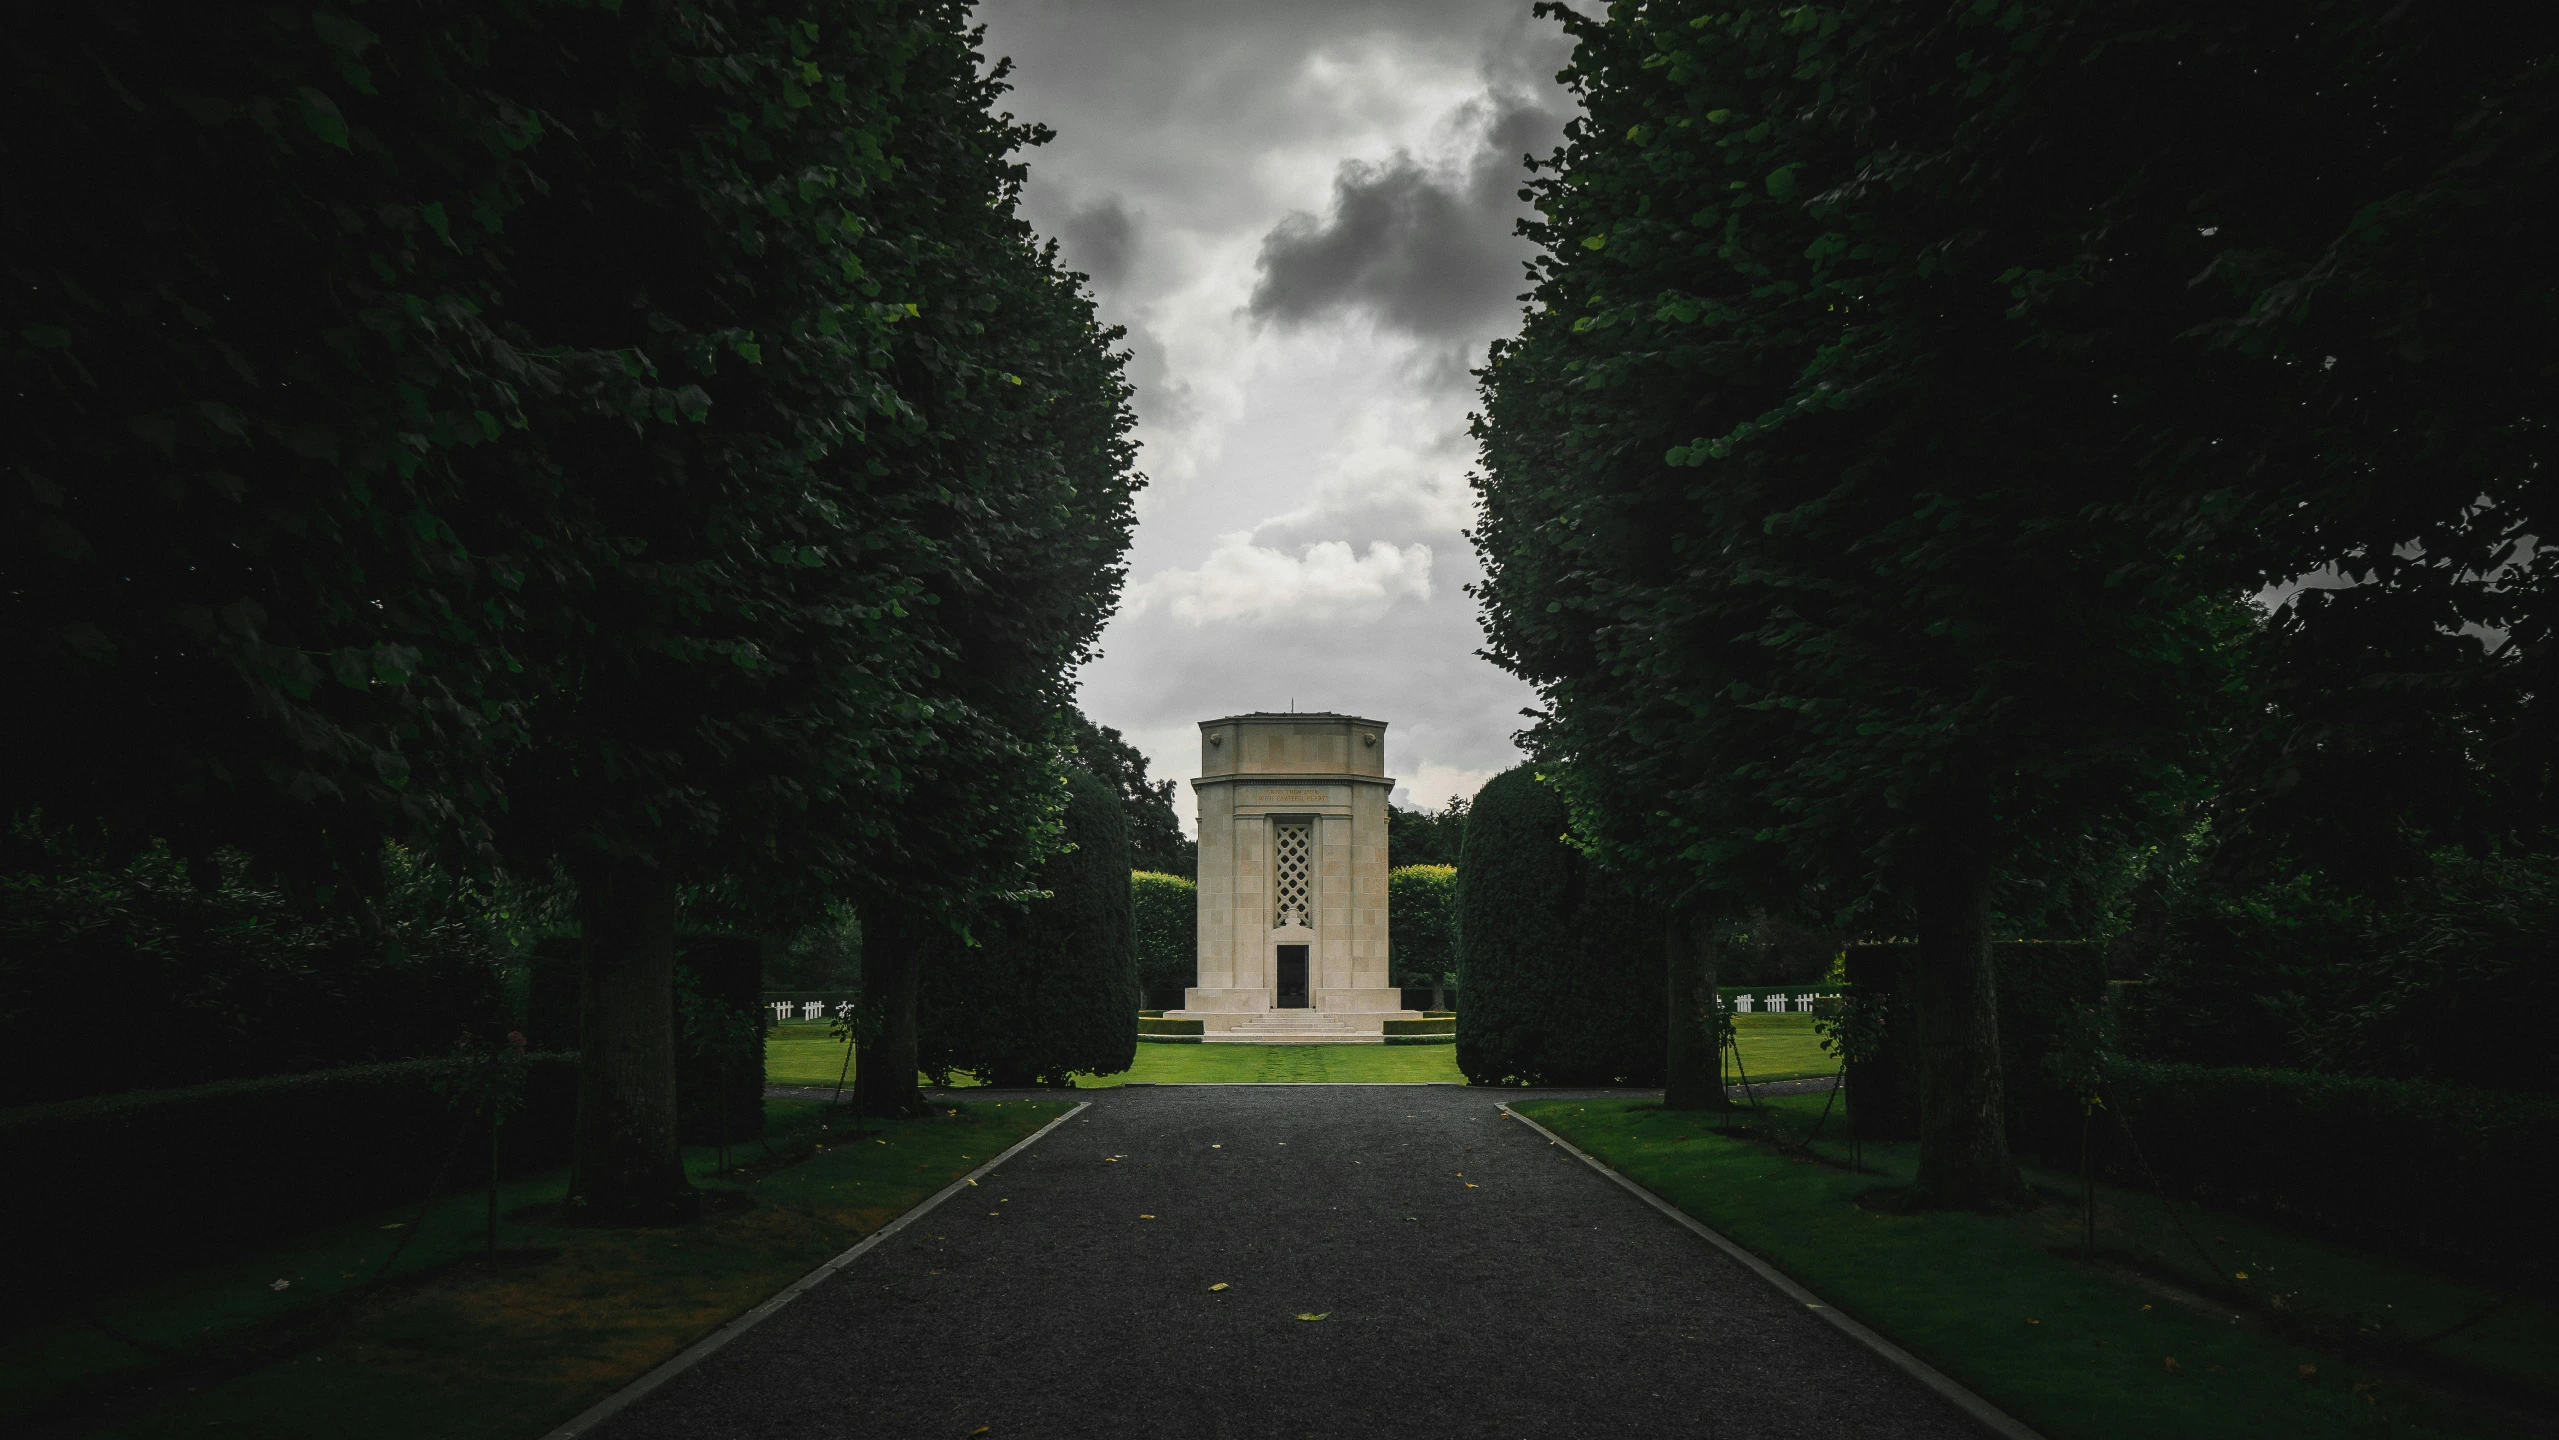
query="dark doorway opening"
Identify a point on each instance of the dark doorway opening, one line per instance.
(1292, 977)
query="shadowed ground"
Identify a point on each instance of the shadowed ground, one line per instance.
(1473, 1282)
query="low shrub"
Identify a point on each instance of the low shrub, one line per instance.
(180, 1177)
(1427, 1025)
(1450, 1038)
(1158, 1025)
(1144, 1039)
(2461, 1175)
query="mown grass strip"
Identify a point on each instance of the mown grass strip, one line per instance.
(454, 1343)
(2004, 1305)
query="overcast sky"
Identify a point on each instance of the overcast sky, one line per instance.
(1302, 211)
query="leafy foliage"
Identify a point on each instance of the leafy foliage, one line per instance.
(1156, 841)
(123, 973)
(1426, 837)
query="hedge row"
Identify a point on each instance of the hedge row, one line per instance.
(1167, 913)
(179, 1177)
(2460, 1175)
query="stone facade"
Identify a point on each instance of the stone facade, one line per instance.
(1292, 823)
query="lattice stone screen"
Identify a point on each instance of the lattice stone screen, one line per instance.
(1291, 849)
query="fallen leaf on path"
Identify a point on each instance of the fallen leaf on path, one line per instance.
(1325, 1316)
(1220, 1285)
(281, 1285)
(2308, 1372)
(2172, 1364)
(1145, 1217)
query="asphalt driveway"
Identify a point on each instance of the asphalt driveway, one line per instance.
(1471, 1279)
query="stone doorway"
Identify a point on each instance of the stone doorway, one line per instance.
(1292, 977)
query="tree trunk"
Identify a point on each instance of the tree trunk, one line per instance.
(1691, 1078)
(1963, 1125)
(630, 1166)
(892, 968)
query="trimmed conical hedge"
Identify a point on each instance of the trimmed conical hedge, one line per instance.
(1559, 961)
(1049, 992)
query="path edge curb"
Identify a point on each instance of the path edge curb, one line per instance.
(1990, 1417)
(700, 1350)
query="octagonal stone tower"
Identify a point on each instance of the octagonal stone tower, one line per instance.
(1292, 921)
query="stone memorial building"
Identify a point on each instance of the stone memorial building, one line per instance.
(1292, 878)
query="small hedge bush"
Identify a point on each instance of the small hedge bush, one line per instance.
(2460, 1175)
(1158, 1025)
(1428, 1025)
(180, 1177)
(1560, 961)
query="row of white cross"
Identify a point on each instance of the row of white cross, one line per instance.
(1776, 1003)
(809, 1009)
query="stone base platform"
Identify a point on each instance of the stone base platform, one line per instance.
(1246, 1017)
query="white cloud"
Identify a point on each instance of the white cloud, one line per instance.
(1326, 580)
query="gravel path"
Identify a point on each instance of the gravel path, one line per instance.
(1474, 1282)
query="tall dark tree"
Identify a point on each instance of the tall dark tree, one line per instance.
(252, 378)
(1156, 841)
(1825, 571)
(1023, 427)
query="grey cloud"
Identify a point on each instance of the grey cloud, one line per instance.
(1100, 239)
(1427, 252)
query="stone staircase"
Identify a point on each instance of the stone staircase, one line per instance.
(1296, 1027)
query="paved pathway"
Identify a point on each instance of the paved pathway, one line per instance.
(1476, 1282)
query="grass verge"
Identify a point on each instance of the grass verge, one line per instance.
(451, 1342)
(2084, 1351)
(1778, 1047)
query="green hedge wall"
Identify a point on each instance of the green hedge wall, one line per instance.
(1051, 991)
(2460, 1175)
(1421, 924)
(1560, 961)
(180, 1177)
(1167, 915)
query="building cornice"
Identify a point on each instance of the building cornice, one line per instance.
(1318, 778)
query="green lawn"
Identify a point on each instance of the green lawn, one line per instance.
(453, 1345)
(1779, 1047)
(1775, 1047)
(2080, 1352)
(800, 1053)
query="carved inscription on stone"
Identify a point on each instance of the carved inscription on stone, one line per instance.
(1267, 796)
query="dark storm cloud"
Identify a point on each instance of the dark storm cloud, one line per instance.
(1100, 239)
(1427, 252)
